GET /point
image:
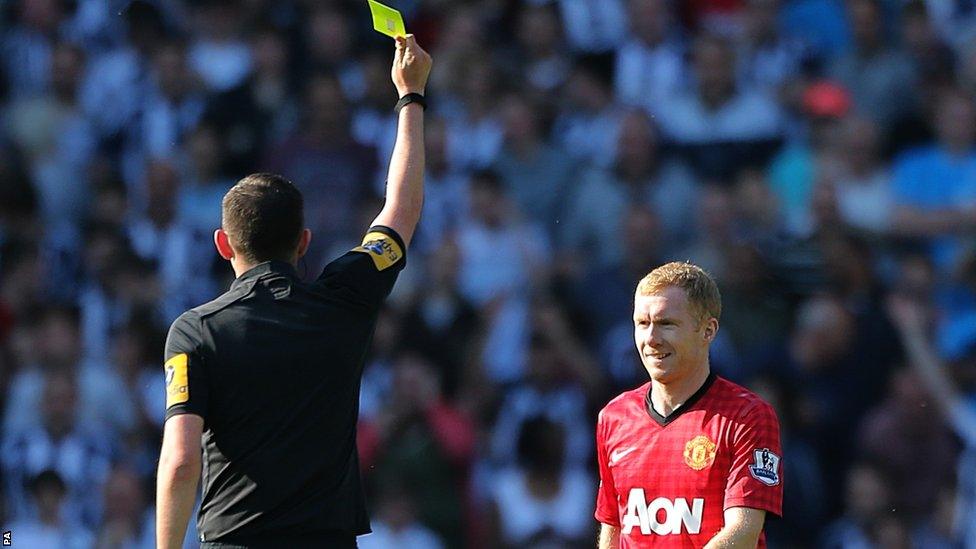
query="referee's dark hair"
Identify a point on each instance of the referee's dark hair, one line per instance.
(263, 216)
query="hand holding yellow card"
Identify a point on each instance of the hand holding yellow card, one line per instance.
(387, 20)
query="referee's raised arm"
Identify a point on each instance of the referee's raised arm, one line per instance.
(405, 180)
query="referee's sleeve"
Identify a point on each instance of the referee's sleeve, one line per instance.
(186, 377)
(365, 275)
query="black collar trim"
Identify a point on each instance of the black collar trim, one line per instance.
(261, 269)
(688, 404)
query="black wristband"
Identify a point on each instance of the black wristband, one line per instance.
(411, 98)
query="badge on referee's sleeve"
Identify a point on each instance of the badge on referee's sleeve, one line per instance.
(381, 248)
(177, 381)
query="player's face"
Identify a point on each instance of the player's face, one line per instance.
(671, 341)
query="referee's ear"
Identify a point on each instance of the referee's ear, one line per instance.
(222, 243)
(303, 242)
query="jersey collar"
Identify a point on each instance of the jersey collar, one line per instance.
(261, 269)
(688, 404)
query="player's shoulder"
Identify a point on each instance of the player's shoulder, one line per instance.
(189, 325)
(217, 305)
(624, 402)
(735, 401)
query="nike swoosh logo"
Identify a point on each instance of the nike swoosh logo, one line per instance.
(617, 455)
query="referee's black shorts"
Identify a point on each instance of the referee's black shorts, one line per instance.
(319, 540)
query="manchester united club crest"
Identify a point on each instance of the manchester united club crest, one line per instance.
(699, 452)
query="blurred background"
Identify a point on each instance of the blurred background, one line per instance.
(816, 156)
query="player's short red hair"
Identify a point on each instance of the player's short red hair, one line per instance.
(702, 292)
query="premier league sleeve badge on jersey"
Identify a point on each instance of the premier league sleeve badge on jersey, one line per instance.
(177, 382)
(381, 248)
(766, 468)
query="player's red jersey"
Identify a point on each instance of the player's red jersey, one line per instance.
(666, 482)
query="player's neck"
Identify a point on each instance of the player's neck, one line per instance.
(241, 266)
(668, 397)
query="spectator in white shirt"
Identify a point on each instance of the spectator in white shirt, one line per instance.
(718, 109)
(650, 66)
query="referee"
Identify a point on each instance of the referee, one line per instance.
(262, 384)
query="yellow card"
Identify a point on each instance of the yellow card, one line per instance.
(387, 20)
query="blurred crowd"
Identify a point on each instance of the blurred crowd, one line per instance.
(818, 157)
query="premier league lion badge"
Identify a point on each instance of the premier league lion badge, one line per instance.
(766, 468)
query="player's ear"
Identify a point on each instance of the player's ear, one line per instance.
(711, 328)
(303, 242)
(222, 243)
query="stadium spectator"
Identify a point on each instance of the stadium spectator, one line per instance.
(538, 174)
(134, 354)
(929, 51)
(541, 501)
(425, 444)
(115, 84)
(163, 234)
(880, 78)
(203, 181)
(867, 498)
(330, 42)
(649, 68)
(104, 300)
(588, 124)
(862, 190)
(639, 174)
(27, 47)
(715, 230)
(804, 502)
(953, 519)
(22, 288)
(377, 386)
(446, 198)
(174, 103)
(593, 26)
(893, 435)
(474, 135)
(49, 527)
(603, 289)
(219, 55)
(822, 360)
(57, 139)
(263, 110)
(373, 124)
(935, 186)
(552, 390)
(125, 523)
(812, 157)
(768, 59)
(396, 523)
(544, 63)
(760, 220)
(332, 171)
(717, 110)
(851, 270)
(821, 25)
(442, 325)
(756, 313)
(55, 349)
(80, 456)
(502, 259)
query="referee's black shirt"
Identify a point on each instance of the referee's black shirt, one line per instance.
(273, 367)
